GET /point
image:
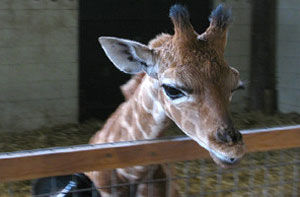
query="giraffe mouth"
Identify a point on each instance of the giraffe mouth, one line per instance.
(219, 158)
(224, 161)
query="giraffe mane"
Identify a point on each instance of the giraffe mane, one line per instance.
(131, 85)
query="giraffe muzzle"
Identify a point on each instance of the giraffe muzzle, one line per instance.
(225, 161)
(225, 155)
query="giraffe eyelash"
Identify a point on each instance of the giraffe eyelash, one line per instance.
(172, 92)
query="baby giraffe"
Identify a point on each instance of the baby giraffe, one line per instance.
(181, 78)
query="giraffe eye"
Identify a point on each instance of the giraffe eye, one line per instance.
(172, 92)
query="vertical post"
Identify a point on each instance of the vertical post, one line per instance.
(263, 50)
(296, 176)
(187, 177)
(169, 180)
(251, 191)
(219, 182)
(202, 178)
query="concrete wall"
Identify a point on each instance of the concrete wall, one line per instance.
(39, 63)
(287, 51)
(288, 56)
(237, 53)
(39, 60)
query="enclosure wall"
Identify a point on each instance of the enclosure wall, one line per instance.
(287, 46)
(38, 67)
(288, 58)
(39, 59)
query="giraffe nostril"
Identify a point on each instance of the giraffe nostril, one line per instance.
(228, 136)
(223, 136)
(236, 136)
(232, 159)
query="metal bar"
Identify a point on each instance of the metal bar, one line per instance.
(75, 194)
(266, 174)
(251, 181)
(169, 180)
(187, 174)
(10, 191)
(219, 180)
(202, 178)
(131, 184)
(61, 161)
(94, 191)
(150, 186)
(296, 177)
(53, 185)
(281, 175)
(114, 182)
(236, 179)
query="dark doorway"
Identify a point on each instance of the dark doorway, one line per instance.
(138, 20)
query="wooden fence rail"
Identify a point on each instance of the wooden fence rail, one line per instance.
(66, 160)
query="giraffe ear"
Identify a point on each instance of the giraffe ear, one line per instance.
(130, 56)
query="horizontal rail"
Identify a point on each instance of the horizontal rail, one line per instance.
(66, 160)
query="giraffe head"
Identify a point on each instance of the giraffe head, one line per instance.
(195, 82)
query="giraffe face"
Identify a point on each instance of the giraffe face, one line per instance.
(196, 96)
(196, 84)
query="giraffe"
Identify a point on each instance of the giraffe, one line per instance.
(181, 78)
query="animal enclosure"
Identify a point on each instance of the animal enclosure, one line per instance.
(270, 168)
(53, 73)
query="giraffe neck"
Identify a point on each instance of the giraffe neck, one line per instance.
(148, 114)
(140, 117)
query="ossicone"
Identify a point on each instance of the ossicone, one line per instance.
(180, 17)
(216, 33)
(221, 16)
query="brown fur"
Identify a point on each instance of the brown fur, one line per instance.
(130, 87)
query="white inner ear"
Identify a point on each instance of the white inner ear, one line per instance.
(128, 56)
